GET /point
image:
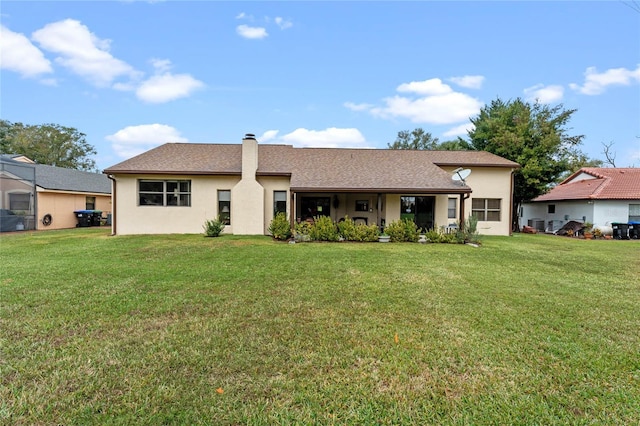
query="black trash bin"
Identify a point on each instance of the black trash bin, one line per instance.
(96, 217)
(620, 231)
(634, 230)
(84, 218)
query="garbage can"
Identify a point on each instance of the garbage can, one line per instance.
(634, 230)
(96, 217)
(83, 217)
(620, 231)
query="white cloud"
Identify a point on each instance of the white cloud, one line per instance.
(469, 81)
(268, 136)
(596, 83)
(357, 107)
(134, 140)
(544, 94)
(161, 65)
(283, 23)
(251, 32)
(433, 86)
(441, 109)
(460, 130)
(82, 52)
(167, 87)
(19, 55)
(328, 138)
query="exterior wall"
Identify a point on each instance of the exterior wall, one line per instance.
(247, 208)
(489, 182)
(130, 218)
(271, 184)
(61, 205)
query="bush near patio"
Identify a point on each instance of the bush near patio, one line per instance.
(179, 329)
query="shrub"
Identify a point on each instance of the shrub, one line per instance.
(347, 229)
(213, 227)
(367, 233)
(324, 229)
(434, 235)
(280, 228)
(402, 230)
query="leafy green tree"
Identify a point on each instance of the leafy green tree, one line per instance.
(533, 135)
(50, 144)
(418, 139)
(415, 139)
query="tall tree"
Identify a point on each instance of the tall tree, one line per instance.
(533, 135)
(50, 144)
(418, 139)
(415, 139)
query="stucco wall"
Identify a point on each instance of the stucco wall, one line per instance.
(61, 205)
(130, 218)
(491, 182)
(598, 212)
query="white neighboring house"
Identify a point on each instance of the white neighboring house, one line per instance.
(601, 196)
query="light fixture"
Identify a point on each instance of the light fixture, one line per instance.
(225, 209)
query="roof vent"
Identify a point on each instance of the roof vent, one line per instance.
(250, 136)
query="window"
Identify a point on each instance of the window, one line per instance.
(279, 202)
(634, 212)
(486, 209)
(452, 208)
(90, 203)
(224, 206)
(362, 205)
(164, 193)
(19, 201)
(315, 206)
(551, 208)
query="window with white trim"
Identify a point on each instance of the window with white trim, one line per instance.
(634, 212)
(486, 209)
(224, 206)
(279, 202)
(452, 208)
(19, 201)
(164, 192)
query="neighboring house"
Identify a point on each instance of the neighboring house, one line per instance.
(601, 196)
(176, 187)
(49, 200)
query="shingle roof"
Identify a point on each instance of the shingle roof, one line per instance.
(61, 179)
(317, 168)
(601, 184)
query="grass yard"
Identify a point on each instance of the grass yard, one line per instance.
(182, 329)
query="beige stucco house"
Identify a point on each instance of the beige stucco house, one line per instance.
(176, 187)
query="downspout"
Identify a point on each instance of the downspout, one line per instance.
(511, 203)
(463, 197)
(113, 204)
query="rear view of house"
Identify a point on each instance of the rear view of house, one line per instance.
(176, 187)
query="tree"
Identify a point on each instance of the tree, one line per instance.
(610, 157)
(416, 139)
(533, 135)
(50, 144)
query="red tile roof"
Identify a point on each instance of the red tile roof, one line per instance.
(592, 183)
(318, 168)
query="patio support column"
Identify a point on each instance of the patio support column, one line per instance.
(379, 211)
(461, 212)
(292, 211)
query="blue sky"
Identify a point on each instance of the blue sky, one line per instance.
(132, 75)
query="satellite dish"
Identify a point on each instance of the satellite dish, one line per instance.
(461, 174)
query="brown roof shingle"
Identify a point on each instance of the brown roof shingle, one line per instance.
(318, 168)
(603, 184)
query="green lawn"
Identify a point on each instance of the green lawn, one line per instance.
(182, 329)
